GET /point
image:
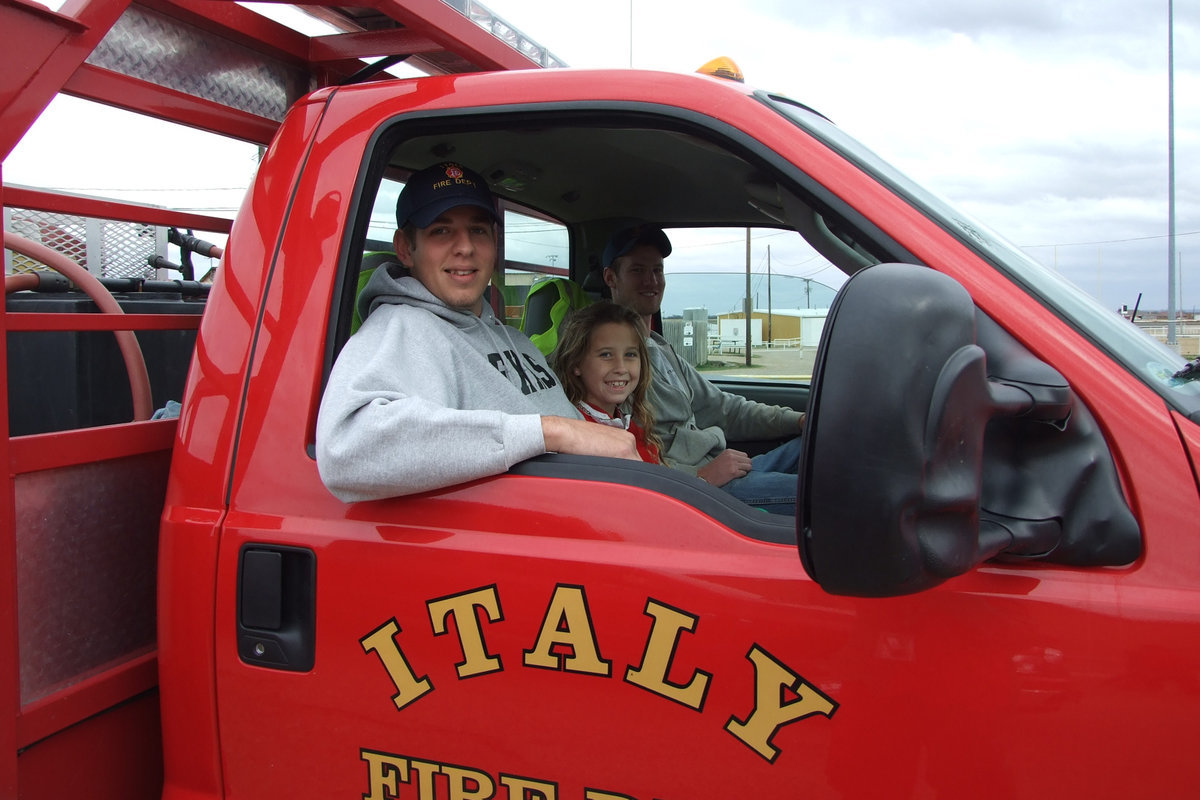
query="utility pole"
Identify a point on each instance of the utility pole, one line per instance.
(749, 305)
(770, 313)
(1171, 342)
(631, 34)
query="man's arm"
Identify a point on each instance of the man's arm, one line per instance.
(369, 457)
(739, 417)
(583, 438)
(403, 444)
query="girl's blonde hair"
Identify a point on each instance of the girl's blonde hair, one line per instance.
(574, 336)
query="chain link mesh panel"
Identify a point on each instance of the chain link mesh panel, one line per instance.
(104, 247)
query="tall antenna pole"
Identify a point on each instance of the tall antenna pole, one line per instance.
(1171, 172)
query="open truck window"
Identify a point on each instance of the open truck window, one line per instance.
(567, 180)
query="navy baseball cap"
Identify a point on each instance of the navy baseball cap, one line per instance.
(435, 190)
(625, 240)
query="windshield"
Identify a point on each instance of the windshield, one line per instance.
(1153, 362)
(708, 279)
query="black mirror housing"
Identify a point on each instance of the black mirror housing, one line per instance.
(890, 497)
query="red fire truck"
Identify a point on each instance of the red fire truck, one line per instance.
(989, 587)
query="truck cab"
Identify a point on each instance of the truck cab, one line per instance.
(989, 572)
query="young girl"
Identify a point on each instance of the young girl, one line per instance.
(604, 367)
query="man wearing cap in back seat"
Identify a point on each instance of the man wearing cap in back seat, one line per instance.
(692, 416)
(433, 389)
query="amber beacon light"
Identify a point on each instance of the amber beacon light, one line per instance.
(723, 67)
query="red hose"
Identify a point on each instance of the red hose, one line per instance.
(131, 351)
(20, 282)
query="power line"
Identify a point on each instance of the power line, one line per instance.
(1110, 241)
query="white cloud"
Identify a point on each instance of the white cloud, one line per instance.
(1047, 121)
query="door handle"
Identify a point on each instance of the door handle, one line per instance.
(277, 606)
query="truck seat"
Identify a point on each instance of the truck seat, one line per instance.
(548, 302)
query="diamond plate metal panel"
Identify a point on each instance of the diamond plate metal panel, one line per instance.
(155, 48)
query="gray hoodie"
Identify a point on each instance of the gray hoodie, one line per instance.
(425, 396)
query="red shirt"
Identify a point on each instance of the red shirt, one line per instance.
(647, 451)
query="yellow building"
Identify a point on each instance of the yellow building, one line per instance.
(780, 327)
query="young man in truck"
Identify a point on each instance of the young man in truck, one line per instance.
(433, 389)
(692, 416)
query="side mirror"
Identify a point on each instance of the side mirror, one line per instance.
(891, 486)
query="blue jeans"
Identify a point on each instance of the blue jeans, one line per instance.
(771, 482)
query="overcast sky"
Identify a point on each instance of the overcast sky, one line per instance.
(1048, 121)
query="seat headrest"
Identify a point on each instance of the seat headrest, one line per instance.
(547, 304)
